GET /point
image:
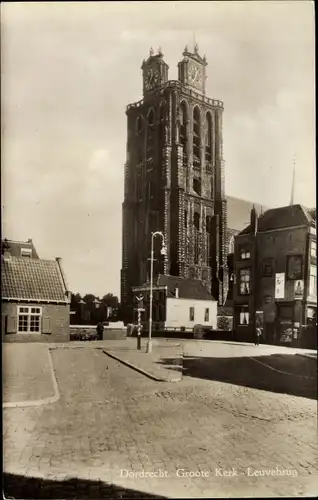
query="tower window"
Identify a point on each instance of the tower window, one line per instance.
(196, 224)
(196, 135)
(185, 219)
(197, 186)
(208, 226)
(139, 124)
(151, 117)
(208, 138)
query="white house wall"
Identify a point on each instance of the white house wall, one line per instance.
(178, 313)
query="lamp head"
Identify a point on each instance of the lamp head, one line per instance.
(163, 250)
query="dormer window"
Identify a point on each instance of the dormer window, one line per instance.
(26, 252)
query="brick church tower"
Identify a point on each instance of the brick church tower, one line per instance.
(174, 179)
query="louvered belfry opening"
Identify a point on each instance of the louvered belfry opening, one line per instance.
(208, 138)
(196, 136)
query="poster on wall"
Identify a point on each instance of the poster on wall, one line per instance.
(299, 289)
(286, 332)
(279, 285)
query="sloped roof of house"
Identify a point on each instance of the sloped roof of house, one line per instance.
(188, 288)
(239, 212)
(282, 217)
(15, 247)
(33, 280)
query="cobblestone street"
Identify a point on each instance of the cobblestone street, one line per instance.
(112, 424)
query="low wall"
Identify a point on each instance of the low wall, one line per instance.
(87, 332)
(33, 337)
(177, 334)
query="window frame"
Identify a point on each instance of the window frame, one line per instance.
(298, 276)
(25, 252)
(29, 313)
(246, 282)
(243, 310)
(268, 261)
(207, 315)
(313, 246)
(192, 313)
(244, 252)
(313, 281)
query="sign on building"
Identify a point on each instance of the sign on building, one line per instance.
(279, 285)
(299, 289)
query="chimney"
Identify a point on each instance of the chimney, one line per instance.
(177, 293)
(254, 220)
(6, 255)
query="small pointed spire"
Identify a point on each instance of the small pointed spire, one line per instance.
(204, 58)
(196, 48)
(160, 51)
(292, 196)
(151, 51)
(186, 49)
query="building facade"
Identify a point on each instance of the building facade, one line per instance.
(35, 296)
(178, 303)
(174, 179)
(275, 268)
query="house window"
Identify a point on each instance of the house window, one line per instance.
(26, 252)
(191, 316)
(244, 317)
(313, 249)
(313, 281)
(207, 314)
(245, 253)
(244, 281)
(268, 267)
(29, 319)
(294, 267)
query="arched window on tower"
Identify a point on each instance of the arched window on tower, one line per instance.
(139, 124)
(231, 245)
(196, 227)
(151, 117)
(183, 130)
(208, 228)
(186, 232)
(150, 133)
(208, 138)
(196, 135)
(197, 186)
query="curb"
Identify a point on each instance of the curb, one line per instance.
(140, 370)
(39, 402)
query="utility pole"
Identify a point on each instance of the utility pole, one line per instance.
(140, 309)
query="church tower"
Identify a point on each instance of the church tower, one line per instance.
(174, 178)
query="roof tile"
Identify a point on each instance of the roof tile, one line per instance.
(188, 288)
(32, 279)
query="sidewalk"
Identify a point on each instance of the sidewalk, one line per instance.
(163, 364)
(27, 373)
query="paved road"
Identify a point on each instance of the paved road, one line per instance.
(112, 422)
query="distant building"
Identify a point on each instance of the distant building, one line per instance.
(35, 296)
(177, 303)
(275, 268)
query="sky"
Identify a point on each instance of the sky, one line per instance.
(68, 71)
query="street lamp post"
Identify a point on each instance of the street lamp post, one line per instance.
(163, 252)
